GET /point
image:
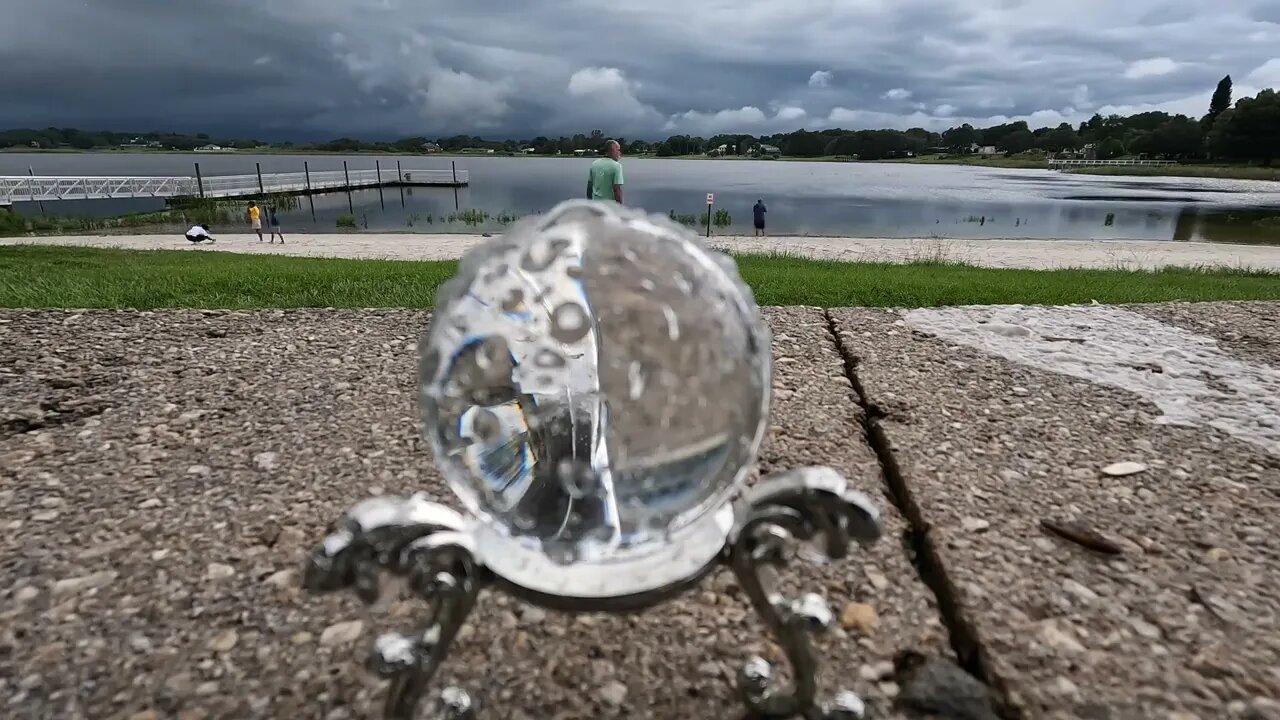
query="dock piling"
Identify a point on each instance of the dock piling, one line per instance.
(31, 173)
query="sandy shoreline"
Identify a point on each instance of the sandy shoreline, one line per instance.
(1036, 254)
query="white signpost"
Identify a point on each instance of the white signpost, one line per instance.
(711, 200)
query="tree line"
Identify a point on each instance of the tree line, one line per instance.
(98, 139)
(1247, 131)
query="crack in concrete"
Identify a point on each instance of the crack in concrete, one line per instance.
(965, 642)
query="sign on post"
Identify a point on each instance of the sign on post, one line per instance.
(711, 198)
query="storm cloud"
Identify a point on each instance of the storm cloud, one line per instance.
(305, 69)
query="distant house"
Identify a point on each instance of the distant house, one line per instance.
(527, 151)
(209, 148)
(763, 150)
(35, 144)
(431, 147)
(985, 149)
(719, 151)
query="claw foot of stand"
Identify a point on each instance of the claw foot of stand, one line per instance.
(798, 505)
(756, 676)
(455, 704)
(753, 684)
(428, 545)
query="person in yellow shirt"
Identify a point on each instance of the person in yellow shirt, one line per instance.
(255, 219)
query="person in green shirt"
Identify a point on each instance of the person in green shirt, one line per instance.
(604, 181)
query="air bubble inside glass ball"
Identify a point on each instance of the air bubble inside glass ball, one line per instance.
(595, 386)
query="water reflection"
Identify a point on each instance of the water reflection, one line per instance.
(1255, 227)
(428, 210)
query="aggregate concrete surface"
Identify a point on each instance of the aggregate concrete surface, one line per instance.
(1250, 330)
(1158, 596)
(163, 473)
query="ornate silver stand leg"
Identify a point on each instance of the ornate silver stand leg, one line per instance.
(427, 544)
(802, 505)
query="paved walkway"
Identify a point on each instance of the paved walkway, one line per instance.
(1042, 254)
(162, 472)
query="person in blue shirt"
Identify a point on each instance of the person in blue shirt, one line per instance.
(759, 210)
(275, 225)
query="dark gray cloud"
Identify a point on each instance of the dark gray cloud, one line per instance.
(319, 68)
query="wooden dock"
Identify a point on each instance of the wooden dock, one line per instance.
(47, 188)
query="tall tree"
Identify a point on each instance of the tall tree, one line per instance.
(1219, 104)
(1110, 149)
(1178, 137)
(1061, 138)
(961, 137)
(1221, 99)
(1017, 141)
(1251, 131)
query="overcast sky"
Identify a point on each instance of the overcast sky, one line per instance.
(389, 68)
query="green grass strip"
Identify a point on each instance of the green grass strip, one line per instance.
(70, 277)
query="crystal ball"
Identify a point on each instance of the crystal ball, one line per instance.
(595, 385)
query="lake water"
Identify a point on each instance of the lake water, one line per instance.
(803, 198)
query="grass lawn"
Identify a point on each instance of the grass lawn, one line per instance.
(1234, 172)
(70, 277)
(995, 161)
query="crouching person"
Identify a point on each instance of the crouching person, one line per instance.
(199, 233)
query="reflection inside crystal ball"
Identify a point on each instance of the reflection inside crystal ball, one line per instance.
(592, 383)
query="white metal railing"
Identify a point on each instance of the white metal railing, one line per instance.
(20, 188)
(1064, 162)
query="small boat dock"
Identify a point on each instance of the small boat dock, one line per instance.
(44, 188)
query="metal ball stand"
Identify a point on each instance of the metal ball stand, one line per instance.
(431, 547)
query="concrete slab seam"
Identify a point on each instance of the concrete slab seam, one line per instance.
(965, 641)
